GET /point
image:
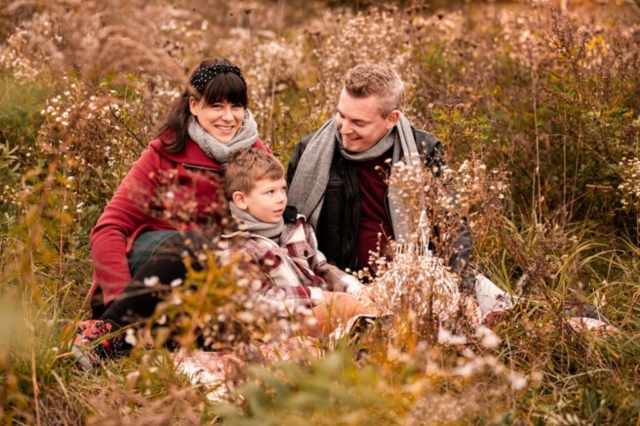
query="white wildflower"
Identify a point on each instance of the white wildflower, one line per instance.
(446, 337)
(130, 337)
(518, 381)
(246, 316)
(151, 281)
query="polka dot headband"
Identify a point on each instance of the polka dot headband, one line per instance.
(205, 74)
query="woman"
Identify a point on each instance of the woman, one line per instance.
(176, 183)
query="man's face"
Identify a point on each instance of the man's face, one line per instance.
(360, 122)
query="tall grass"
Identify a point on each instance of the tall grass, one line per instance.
(539, 112)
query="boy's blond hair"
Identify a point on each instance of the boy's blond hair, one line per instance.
(247, 166)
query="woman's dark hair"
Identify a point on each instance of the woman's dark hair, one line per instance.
(225, 86)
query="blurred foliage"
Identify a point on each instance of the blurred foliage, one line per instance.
(332, 391)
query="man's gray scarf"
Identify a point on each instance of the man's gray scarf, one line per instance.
(309, 184)
(245, 138)
(253, 225)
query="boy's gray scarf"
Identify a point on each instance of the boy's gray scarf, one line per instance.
(310, 181)
(245, 138)
(253, 225)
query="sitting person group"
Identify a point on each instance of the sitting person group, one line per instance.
(338, 186)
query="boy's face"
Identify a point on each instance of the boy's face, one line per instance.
(266, 201)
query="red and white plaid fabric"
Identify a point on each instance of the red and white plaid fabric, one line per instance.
(211, 369)
(299, 272)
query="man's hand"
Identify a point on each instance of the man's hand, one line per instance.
(365, 297)
(338, 308)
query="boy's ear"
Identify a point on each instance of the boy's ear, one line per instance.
(239, 200)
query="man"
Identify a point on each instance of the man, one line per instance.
(337, 175)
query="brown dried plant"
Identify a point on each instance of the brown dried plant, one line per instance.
(346, 40)
(413, 282)
(217, 306)
(89, 38)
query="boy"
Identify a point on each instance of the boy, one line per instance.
(285, 245)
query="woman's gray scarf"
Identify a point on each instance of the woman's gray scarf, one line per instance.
(310, 181)
(245, 138)
(253, 225)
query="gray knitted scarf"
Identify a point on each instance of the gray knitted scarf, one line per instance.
(307, 189)
(253, 225)
(245, 138)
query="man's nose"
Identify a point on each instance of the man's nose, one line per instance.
(345, 128)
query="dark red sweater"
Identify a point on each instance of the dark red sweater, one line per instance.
(374, 220)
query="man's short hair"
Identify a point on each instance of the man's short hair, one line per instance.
(247, 166)
(366, 80)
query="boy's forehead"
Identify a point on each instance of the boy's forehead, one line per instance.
(269, 182)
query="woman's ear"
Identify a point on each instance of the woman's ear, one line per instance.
(194, 105)
(239, 200)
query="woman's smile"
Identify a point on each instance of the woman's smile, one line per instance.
(222, 120)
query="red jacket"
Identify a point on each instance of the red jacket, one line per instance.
(162, 191)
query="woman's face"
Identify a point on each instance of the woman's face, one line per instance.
(221, 120)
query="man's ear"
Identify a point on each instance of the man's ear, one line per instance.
(392, 119)
(193, 105)
(239, 200)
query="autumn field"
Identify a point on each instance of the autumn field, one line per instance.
(537, 105)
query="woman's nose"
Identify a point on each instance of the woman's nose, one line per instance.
(227, 114)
